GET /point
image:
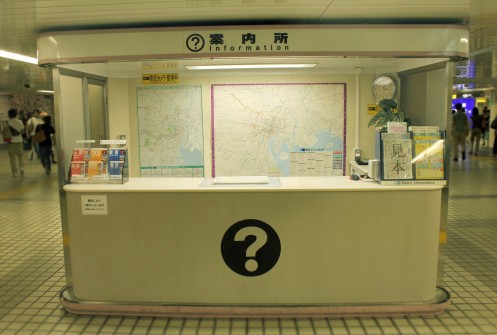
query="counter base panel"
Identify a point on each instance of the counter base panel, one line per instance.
(72, 305)
(336, 248)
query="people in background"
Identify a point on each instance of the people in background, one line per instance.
(476, 125)
(46, 145)
(493, 125)
(485, 125)
(460, 129)
(52, 154)
(33, 122)
(15, 148)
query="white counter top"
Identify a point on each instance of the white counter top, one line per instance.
(294, 184)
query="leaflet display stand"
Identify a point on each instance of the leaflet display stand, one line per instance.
(412, 157)
(99, 166)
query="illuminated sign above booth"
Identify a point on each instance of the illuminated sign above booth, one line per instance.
(167, 43)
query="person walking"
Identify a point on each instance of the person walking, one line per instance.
(52, 154)
(15, 146)
(460, 129)
(485, 126)
(33, 122)
(493, 125)
(46, 145)
(476, 130)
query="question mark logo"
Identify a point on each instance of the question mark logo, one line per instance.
(195, 42)
(250, 247)
(260, 239)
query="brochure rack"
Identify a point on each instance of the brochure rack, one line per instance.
(412, 157)
(99, 166)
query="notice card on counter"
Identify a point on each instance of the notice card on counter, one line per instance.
(94, 205)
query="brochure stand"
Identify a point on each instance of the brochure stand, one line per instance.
(99, 166)
(413, 157)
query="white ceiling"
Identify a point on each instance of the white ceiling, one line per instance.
(22, 21)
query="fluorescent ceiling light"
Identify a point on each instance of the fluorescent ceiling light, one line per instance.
(247, 66)
(14, 56)
(44, 91)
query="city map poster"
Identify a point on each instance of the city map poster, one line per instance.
(170, 130)
(264, 129)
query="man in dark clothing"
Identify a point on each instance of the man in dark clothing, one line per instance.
(460, 129)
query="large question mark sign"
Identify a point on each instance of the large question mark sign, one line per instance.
(250, 247)
(260, 239)
(195, 42)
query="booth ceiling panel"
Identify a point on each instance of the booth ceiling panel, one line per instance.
(21, 21)
(398, 9)
(100, 13)
(156, 16)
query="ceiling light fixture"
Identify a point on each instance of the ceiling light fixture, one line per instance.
(44, 91)
(14, 56)
(248, 66)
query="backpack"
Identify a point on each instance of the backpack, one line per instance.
(14, 131)
(6, 133)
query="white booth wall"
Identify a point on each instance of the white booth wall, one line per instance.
(425, 98)
(123, 113)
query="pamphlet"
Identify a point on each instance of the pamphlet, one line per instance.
(397, 127)
(116, 170)
(95, 170)
(429, 147)
(81, 155)
(78, 170)
(117, 154)
(397, 156)
(99, 155)
(116, 163)
(424, 129)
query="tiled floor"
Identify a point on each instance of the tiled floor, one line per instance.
(32, 268)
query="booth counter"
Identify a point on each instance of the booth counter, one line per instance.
(161, 245)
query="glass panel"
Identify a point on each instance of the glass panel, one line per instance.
(97, 115)
(72, 118)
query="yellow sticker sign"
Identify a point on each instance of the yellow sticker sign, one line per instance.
(160, 78)
(373, 109)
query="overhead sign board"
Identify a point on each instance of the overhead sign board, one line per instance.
(169, 43)
(160, 78)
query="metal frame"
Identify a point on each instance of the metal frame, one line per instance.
(62, 169)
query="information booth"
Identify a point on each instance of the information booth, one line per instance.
(226, 193)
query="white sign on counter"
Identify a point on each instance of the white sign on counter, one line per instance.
(94, 204)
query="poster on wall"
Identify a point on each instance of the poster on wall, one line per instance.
(170, 131)
(4, 107)
(281, 129)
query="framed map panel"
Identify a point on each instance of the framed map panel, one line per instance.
(289, 129)
(170, 131)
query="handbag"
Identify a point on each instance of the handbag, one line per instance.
(39, 135)
(6, 133)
